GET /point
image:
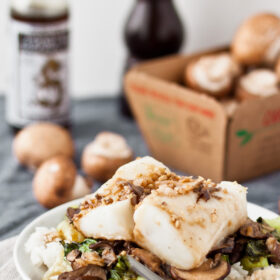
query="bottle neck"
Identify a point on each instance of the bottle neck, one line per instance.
(155, 2)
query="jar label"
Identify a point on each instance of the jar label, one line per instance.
(39, 85)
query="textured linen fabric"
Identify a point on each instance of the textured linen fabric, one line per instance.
(7, 267)
(89, 117)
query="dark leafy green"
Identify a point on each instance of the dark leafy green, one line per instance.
(256, 248)
(84, 246)
(226, 258)
(68, 247)
(121, 270)
(273, 224)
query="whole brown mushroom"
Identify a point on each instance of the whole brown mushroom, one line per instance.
(211, 269)
(259, 83)
(213, 74)
(102, 157)
(257, 40)
(41, 141)
(57, 181)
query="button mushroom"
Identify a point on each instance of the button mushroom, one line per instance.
(256, 41)
(57, 181)
(225, 247)
(216, 269)
(102, 157)
(42, 141)
(149, 259)
(108, 254)
(274, 248)
(90, 272)
(255, 230)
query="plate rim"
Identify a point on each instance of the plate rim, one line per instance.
(18, 243)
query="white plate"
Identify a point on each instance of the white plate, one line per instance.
(52, 218)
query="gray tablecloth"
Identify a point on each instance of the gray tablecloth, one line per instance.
(18, 207)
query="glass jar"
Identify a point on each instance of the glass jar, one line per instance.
(39, 51)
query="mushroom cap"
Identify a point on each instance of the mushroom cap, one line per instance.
(254, 38)
(213, 74)
(54, 181)
(82, 187)
(41, 141)
(216, 269)
(102, 168)
(102, 157)
(256, 84)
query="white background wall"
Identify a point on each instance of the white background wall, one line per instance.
(97, 44)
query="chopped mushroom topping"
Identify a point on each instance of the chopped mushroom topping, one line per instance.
(73, 255)
(216, 269)
(149, 259)
(238, 250)
(108, 254)
(206, 190)
(225, 247)
(274, 247)
(254, 230)
(90, 272)
(71, 212)
(86, 259)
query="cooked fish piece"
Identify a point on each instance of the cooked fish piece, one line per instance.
(108, 213)
(181, 222)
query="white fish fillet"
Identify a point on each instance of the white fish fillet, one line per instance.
(115, 221)
(170, 221)
(181, 231)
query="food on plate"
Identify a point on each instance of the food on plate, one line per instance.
(257, 41)
(102, 157)
(179, 227)
(109, 212)
(170, 220)
(257, 84)
(213, 74)
(41, 141)
(56, 181)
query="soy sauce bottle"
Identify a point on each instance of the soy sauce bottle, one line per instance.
(153, 30)
(39, 49)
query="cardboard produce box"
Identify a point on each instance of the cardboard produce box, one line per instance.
(192, 132)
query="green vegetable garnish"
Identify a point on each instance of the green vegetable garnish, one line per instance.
(121, 271)
(68, 247)
(249, 263)
(114, 275)
(272, 223)
(84, 246)
(275, 223)
(225, 258)
(256, 248)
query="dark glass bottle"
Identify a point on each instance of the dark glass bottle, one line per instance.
(153, 29)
